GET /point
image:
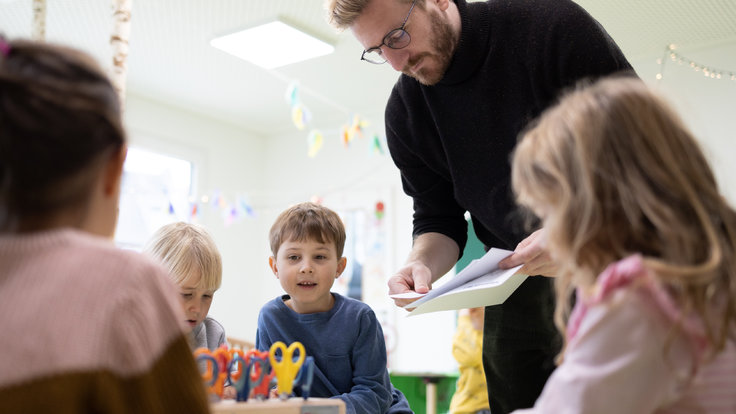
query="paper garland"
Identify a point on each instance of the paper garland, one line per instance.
(349, 132)
(376, 146)
(380, 210)
(314, 143)
(301, 117)
(231, 211)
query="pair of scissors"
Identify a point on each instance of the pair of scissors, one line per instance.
(263, 370)
(210, 376)
(286, 367)
(305, 376)
(216, 371)
(238, 365)
(251, 371)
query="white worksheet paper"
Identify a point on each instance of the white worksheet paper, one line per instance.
(481, 283)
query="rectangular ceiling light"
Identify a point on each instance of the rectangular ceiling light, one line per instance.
(272, 45)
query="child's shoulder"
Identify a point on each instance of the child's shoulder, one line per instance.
(275, 304)
(212, 323)
(348, 305)
(632, 294)
(77, 255)
(125, 276)
(631, 281)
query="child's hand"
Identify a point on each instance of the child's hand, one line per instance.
(229, 393)
(477, 317)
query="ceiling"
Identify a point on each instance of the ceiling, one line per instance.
(171, 61)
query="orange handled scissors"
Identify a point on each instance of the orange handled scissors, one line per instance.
(286, 368)
(262, 372)
(210, 375)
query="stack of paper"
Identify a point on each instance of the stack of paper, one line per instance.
(481, 283)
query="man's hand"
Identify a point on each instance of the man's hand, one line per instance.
(533, 254)
(432, 255)
(414, 276)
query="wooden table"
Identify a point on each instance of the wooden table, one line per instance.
(276, 406)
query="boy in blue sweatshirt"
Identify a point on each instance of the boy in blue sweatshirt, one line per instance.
(341, 334)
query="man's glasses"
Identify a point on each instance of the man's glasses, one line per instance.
(395, 39)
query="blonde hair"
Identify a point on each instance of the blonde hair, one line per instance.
(341, 14)
(613, 171)
(187, 250)
(308, 221)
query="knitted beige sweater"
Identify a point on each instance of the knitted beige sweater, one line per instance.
(88, 327)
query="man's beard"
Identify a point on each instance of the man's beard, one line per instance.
(444, 41)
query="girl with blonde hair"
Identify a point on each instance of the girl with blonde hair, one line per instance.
(633, 215)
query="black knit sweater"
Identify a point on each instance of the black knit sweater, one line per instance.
(452, 141)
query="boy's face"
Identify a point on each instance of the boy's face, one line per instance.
(306, 271)
(196, 300)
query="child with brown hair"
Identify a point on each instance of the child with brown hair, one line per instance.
(633, 215)
(87, 327)
(341, 334)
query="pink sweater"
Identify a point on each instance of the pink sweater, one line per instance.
(616, 360)
(88, 327)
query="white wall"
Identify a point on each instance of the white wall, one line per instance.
(228, 160)
(708, 106)
(276, 172)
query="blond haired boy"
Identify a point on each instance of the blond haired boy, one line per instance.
(194, 263)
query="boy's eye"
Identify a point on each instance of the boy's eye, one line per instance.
(186, 295)
(207, 297)
(293, 257)
(320, 257)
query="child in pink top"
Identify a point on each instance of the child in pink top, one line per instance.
(632, 213)
(87, 327)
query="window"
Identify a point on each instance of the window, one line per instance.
(350, 283)
(156, 190)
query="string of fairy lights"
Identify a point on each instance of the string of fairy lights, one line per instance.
(708, 71)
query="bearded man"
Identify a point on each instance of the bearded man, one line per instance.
(473, 75)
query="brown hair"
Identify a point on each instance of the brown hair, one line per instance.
(187, 250)
(59, 120)
(308, 221)
(613, 171)
(341, 14)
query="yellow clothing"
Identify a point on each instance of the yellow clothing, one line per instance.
(471, 394)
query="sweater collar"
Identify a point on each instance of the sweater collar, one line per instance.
(200, 333)
(306, 317)
(474, 38)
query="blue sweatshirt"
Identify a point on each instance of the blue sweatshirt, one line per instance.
(348, 349)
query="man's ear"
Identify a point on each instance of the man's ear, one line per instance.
(341, 266)
(113, 173)
(272, 265)
(442, 4)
